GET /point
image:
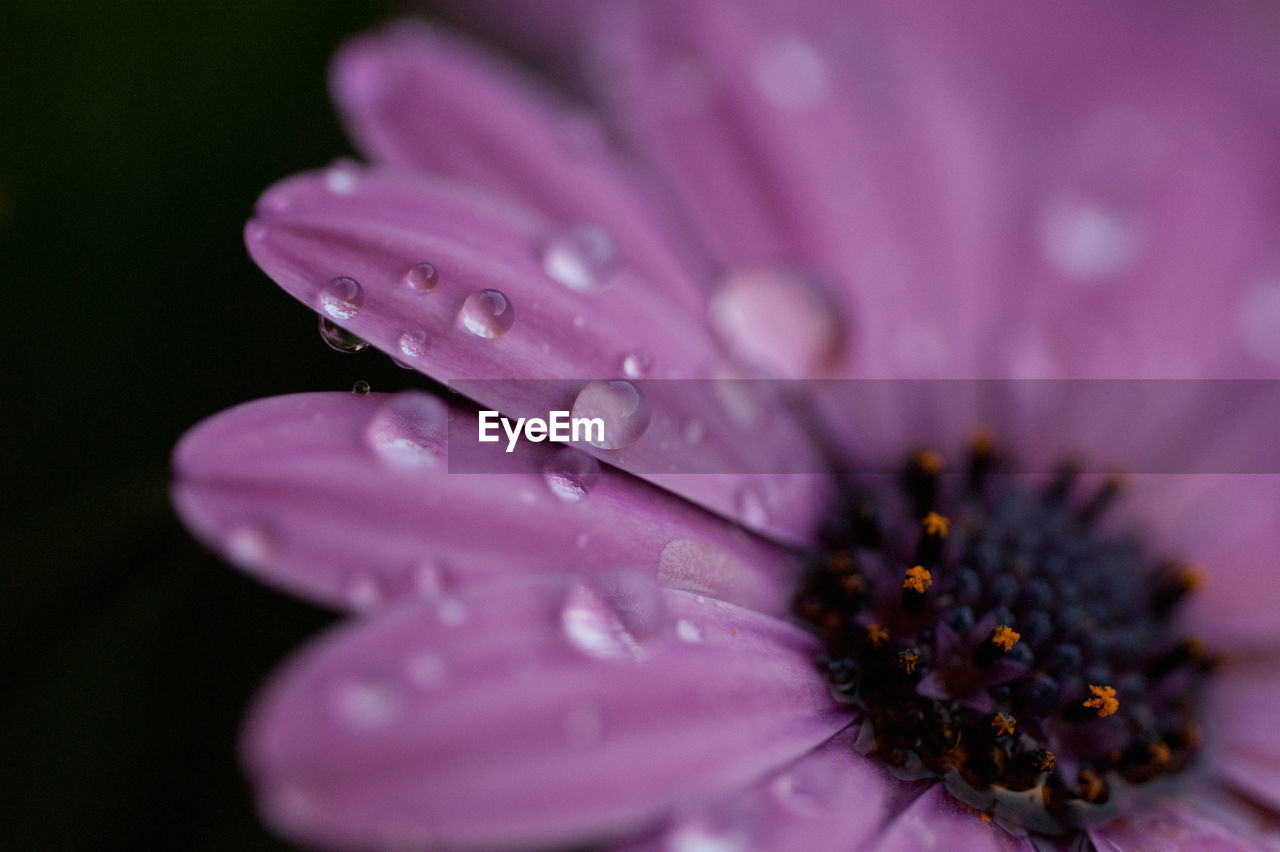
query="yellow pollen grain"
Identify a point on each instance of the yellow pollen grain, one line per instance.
(1160, 753)
(918, 579)
(877, 635)
(1003, 724)
(936, 525)
(907, 660)
(1005, 638)
(1104, 700)
(1047, 761)
(929, 461)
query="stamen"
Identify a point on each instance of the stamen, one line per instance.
(995, 646)
(1101, 501)
(1104, 700)
(907, 660)
(918, 579)
(1003, 725)
(877, 635)
(1005, 638)
(933, 531)
(922, 478)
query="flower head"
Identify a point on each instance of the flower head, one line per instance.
(669, 635)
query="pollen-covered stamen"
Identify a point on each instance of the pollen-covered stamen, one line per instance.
(994, 638)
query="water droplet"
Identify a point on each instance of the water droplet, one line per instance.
(422, 277)
(249, 546)
(367, 705)
(414, 344)
(581, 258)
(452, 612)
(688, 631)
(425, 670)
(697, 836)
(338, 338)
(571, 474)
(751, 505)
(363, 591)
(487, 314)
(807, 788)
(361, 388)
(341, 180)
(342, 298)
(1258, 321)
(637, 364)
(583, 725)
(409, 431)
(593, 627)
(777, 319)
(620, 405)
(791, 74)
(636, 599)
(1087, 239)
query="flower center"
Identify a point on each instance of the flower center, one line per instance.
(988, 635)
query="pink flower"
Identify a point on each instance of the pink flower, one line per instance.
(614, 649)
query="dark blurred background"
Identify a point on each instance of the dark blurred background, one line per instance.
(134, 138)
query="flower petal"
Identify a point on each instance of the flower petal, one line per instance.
(493, 314)
(493, 125)
(502, 727)
(937, 821)
(1244, 743)
(1177, 826)
(349, 500)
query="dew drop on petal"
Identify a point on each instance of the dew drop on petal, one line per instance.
(367, 705)
(452, 612)
(790, 73)
(581, 258)
(621, 406)
(409, 431)
(250, 545)
(699, 837)
(414, 344)
(1258, 322)
(688, 631)
(635, 598)
(487, 314)
(571, 474)
(593, 627)
(776, 319)
(807, 788)
(360, 387)
(342, 298)
(422, 277)
(1087, 239)
(637, 364)
(363, 591)
(751, 507)
(339, 339)
(341, 180)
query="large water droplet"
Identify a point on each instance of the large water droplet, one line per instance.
(1087, 239)
(637, 364)
(777, 319)
(1258, 321)
(341, 179)
(791, 73)
(367, 705)
(688, 631)
(338, 338)
(487, 313)
(250, 545)
(409, 431)
(414, 344)
(422, 277)
(593, 627)
(581, 258)
(620, 405)
(342, 298)
(571, 474)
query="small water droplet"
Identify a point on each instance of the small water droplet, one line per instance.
(341, 180)
(249, 546)
(342, 298)
(805, 789)
(621, 406)
(581, 258)
(637, 364)
(363, 591)
(791, 74)
(453, 612)
(593, 627)
(487, 314)
(777, 319)
(425, 670)
(414, 344)
(583, 725)
(361, 388)
(422, 277)
(695, 836)
(751, 505)
(1088, 239)
(367, 705)
(339, 339)
(409, 431)
(688, 631)
(571, 474)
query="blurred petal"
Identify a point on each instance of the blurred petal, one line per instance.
(1244, 740)
(504, 726)
(494, 314)
(349, 500)
(937, 821)
(1177, 826)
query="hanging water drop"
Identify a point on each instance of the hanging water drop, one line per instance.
(361, 388)
(342, 298)
(422, 277)
(620, 405)
(581, 258)
(570, 474)
(339, 339)
(487, 314)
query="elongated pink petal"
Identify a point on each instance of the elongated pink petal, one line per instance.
(937, 821)
(1178, 826)
(529, 713)
(493, 125)
(1244, 743)
(350, 500)
(494, 314)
